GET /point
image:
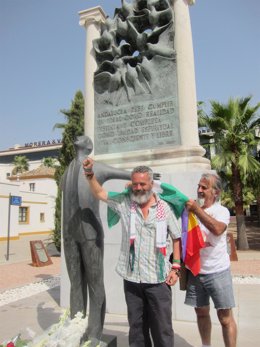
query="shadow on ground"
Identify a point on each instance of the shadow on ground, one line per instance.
(48, 313)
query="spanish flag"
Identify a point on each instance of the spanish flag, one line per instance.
(192, 241)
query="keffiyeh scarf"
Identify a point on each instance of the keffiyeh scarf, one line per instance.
(161, 233)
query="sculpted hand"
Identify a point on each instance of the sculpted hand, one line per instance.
(156, 175)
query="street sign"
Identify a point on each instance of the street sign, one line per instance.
(15, 200)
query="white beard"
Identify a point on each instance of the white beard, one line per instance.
(201, 201)
(141, 199)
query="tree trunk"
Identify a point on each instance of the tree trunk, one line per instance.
(242, 242)
(258, 208)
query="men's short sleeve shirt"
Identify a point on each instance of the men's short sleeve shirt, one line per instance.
(214, 257)
(146, 262)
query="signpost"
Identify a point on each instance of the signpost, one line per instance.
(16, 201)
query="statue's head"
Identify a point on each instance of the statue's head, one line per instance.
(83, 144)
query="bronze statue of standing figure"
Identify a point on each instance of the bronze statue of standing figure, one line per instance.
(83, 239)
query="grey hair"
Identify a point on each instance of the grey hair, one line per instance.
(215, 181)
(143, 169)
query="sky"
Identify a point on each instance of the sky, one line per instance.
(42, 53)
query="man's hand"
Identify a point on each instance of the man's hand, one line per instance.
(172, 278)
(88, 167)
(192, 206)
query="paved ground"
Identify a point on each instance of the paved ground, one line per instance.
(37, 312)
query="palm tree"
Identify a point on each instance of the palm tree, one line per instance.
(234, 127)
(21, 164)
(49, 162)
(253, 181)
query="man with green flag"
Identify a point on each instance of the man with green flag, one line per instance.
(147, 222)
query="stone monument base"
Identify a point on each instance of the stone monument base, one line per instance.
(108, 341)
(166, 160)
(187, 183)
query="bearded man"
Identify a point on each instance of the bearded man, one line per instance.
(147, 222)
(214, 280)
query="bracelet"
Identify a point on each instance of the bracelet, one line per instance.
(89, 176)
(176, 266)
(177, 271)
(176, 261)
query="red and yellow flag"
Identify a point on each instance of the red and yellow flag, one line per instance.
(192, 242)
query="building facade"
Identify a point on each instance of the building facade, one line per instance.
(35, 189)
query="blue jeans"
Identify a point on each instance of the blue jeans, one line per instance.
(149, 308)
(218, 286)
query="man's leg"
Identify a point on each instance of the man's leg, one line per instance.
(204, 324)
(137, 315)
(197, 296)
(229, 327)
(220, 287)
(159, 304)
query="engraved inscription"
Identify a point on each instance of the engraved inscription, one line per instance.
(134, 127)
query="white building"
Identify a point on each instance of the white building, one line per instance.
(36, 188)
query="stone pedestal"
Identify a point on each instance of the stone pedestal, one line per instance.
(115, 301)
(108, 341)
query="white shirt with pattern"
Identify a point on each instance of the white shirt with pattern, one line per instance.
(146, 265)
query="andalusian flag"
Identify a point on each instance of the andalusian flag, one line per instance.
(192, 241)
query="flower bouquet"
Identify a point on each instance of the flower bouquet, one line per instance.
(66, 333)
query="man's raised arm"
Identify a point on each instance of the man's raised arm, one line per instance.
(97, 190)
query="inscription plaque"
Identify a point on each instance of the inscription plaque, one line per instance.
(39, 254)
(133, 127)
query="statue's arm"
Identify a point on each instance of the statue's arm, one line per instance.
(114, 173)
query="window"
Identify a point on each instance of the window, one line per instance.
(42, 217)
(24, 215)
(32, 187)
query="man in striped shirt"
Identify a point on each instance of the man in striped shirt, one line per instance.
(147, 222)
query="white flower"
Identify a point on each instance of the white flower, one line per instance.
(66, 333)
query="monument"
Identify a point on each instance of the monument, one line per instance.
(140, 105)
(140, 93)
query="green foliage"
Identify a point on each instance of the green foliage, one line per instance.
(228, 201)
(234, 126)
(49, 162)
(21, 164)
(56, 236)
(73, 127)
